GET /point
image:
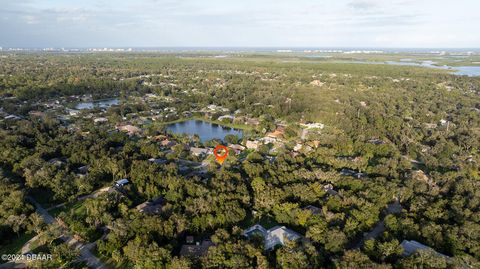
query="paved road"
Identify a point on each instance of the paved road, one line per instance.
(26, 248)
(91, 260)
(393, 208)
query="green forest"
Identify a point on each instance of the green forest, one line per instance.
(397, 160)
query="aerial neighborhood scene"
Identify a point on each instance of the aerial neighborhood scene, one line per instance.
(240, 134)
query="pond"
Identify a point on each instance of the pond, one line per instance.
(104, 103)
(205, 130)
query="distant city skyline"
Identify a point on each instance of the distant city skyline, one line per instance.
(246, 23)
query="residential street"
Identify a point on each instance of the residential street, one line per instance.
(91, 260)
(379, 228)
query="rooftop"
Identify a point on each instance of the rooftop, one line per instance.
(196, 250)
(274, 236)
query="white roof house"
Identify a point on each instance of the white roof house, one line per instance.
(412, 246)
(199, 151)
(252, 144)
(277, 235)
(100, 120)
(230, 117)
(122, 182)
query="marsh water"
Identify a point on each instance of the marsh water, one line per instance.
(471, 71)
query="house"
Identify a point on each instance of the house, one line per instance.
(100, 120)
(166, 143)
(187, 114)
(277, 235)
(314, 125)
(122, 182)
(236, 148)
(421, 176)
(197, 250)
(278, 133)
(376, 141)
(352, 173)
(157, 161)
(268, 139)
(412, 246)
(252, 121)
(12, 117)
(57, 161)
(153, 207)
(130, 129)
(158, 137)
(199, 151)
(329, 189)
(252, 144)
(83, 169)
(226, 117)
(297, 147)
(313, 209)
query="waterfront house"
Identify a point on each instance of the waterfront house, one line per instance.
(230, 118)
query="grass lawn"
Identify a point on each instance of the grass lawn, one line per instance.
(16, 245)
(65, 208)
(109, 262)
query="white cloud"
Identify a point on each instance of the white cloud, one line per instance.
(361, 23)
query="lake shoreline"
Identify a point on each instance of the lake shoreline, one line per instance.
(206, 130)
(242, 127)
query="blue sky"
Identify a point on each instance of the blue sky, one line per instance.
(269, 23)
